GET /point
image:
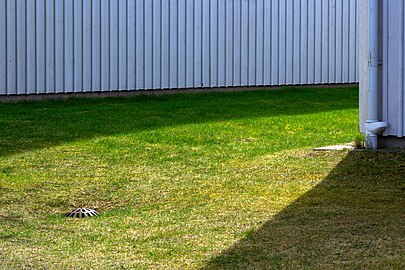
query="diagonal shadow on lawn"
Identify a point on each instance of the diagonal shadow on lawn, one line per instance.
(354, 219)
(36, 125)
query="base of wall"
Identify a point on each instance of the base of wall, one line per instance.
(391, 142)
(128, 93)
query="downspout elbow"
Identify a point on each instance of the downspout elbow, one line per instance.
(373, 128)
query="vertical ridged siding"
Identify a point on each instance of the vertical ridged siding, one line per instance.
(394, 67)
(63, 46)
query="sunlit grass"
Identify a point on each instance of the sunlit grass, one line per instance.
(178, 178)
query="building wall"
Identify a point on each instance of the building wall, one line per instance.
(391, 72)
(55, 46)
(393, 75)
(363, 61)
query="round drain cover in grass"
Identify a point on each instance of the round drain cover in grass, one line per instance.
(82, 213)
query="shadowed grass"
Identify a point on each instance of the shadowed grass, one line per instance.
(178, 178)
(353, 219)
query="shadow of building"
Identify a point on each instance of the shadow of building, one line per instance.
(355, 218)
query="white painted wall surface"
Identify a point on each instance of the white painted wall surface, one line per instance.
(392, 70)
(394, 67)
(65, 46)
(363, 61)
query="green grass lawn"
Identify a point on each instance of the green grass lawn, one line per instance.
(197, 181)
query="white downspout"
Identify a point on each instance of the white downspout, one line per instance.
(373, 126)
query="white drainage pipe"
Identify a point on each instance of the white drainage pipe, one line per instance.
(373, 126)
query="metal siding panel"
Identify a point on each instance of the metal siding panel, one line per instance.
(357, 47)
(114, 37)
(68, 47)
(156, 44)
(245, 43)
(197, 43)
(311, 15)
(78, 46)
(140, 45)
(148, 44)
(182, 44)
(283, 41)
(165, 45)
(105, 45)
(96, 45)
(335, 42)
(3, 47)
(394, 64)
(236, 42)
(259, 54)
(252, 43)
(352, 41)
(296, 51)
(131, 44)
(40, 47)
(59, 48)
(173, 51)
(275, 43)
(102, 45)
(345, 41)
(267, 45)
(50, 46)
(339, 41)
(303, 77)
(326, 41)
(11, 47)
(400, 97)
(190, 43)
(222, 43)
(21, 47)
(87, 47)
(122, 45)
(318, 41)
(289, 45)
(332, 42)
(214, 43)
(385, 66)
(31, 48)
(229, 68)
(206, 39)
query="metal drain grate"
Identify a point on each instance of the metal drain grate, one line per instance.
(82, 213)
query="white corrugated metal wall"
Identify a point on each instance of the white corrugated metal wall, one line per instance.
(394, 67)
(63, 46)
